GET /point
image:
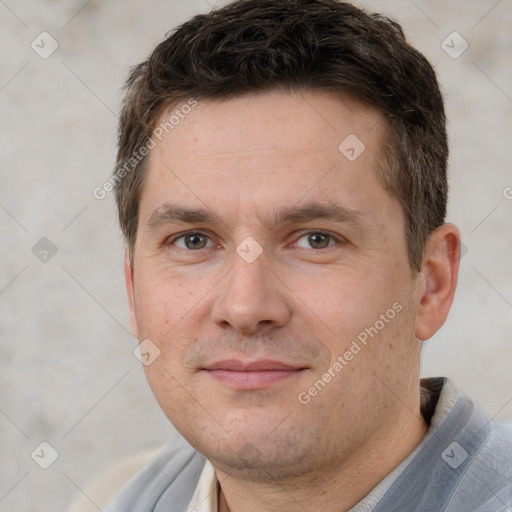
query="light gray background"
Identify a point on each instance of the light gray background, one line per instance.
(68, 373)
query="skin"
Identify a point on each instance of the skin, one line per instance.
(299, 302)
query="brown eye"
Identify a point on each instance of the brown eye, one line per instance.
(195, 241)
(316, 240)
(192, 241)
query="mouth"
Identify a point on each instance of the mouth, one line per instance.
(252, 375)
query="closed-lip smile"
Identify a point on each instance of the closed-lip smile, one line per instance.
(252, 374)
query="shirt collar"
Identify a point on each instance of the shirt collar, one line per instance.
(206, 495)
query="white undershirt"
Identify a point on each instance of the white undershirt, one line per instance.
(205, 498)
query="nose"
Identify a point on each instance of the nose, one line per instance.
(251, 297)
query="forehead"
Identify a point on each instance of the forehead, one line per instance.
(266, 148)
(269, 120)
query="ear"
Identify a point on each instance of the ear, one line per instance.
(130, 289)
(439, 273)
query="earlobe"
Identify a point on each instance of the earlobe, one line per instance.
(130, 289)
(439, 272)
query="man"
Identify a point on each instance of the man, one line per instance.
(281, 185)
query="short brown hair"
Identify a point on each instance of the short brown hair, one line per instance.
(256, 45)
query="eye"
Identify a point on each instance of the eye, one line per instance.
(192, 241)
(316, 240)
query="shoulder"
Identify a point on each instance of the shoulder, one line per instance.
(104, 485)
(492, 469)
(170, 478)
(486, 484)
(464, 462)
(138, 481)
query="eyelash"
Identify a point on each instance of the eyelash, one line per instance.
(337, 239)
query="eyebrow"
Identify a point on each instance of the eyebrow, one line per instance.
(169, 213)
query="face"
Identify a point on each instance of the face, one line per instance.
(271, 271)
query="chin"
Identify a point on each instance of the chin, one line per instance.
(259, 463)
(256, 451)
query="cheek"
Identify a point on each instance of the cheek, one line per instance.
(344, 301)
(162, 300)
(169, 389)
(367, 320)
(165, 316)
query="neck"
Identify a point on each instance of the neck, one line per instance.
(337, 489)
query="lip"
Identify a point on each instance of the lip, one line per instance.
(252, 375)
(236, 365)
